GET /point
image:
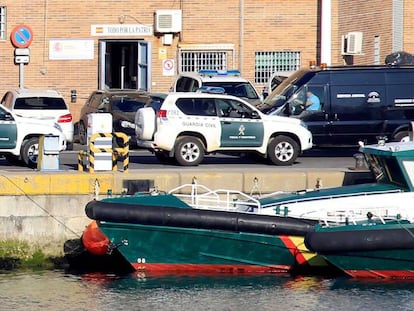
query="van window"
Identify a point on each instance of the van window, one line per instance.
(308, 99)
(285, 90)
(238, 89)
(185, 84)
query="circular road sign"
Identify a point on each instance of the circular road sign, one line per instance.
(21, 36)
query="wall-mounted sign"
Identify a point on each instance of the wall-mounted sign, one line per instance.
(119, 30)
(65, 49)
(168, 67)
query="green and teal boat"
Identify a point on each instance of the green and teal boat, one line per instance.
(171, 232)
(174, 238)
(372, 249)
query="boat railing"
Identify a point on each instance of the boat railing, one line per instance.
(330, 196)
(363, 214)
(201, 197)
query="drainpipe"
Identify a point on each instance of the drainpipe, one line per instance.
(326, 32)
(241, 35)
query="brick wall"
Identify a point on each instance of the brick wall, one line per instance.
(268, 25)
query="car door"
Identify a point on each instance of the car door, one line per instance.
(241, 125)
(316, 120)
(8, 130)
(356, 107)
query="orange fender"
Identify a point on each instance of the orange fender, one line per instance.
(94, 240)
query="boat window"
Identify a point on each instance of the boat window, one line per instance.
(395, 172)
(375, 167)
(409, 169)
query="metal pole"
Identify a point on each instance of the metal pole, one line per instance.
(21, 75)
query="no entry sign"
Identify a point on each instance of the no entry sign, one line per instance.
(21, 36)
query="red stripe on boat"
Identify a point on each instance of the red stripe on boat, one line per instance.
(385, 274)
(158, 268)
(293, 249)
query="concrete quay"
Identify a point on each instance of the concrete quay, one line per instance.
(45, 209)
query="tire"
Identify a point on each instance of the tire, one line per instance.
(402, 136)
(189, 151)
(145, 120)
(82, 133)
(282, 150)
(30, 151)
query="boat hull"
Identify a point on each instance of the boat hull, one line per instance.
(375, 264)
(367, 251)
(170, 239)
(162, 249)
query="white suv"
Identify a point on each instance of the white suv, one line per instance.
(189, 125)
(229, 80)
(41, 104)
(19, 137)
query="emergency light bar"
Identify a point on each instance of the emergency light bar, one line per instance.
(219, 72)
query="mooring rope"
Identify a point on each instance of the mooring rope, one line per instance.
(42, 208)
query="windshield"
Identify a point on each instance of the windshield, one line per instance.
(285, 90)
(238, 89)
(127, 104)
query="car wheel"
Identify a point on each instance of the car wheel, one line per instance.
(30, 152)
(145, 123)
(189, 151)
(282, 150)
(82, 133)
(402, 136)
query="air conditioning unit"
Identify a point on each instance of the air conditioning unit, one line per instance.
(352, 43)
(168, 21)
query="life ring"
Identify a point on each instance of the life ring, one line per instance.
(145, 123)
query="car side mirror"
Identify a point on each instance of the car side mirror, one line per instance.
(6, 117)
(255, 115)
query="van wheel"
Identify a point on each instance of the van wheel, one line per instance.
(145, 123)
(402, 136)
(189, 151)
(30, 152)
(282, 150)
(82, 133)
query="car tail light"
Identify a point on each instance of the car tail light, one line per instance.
(162, 114)
(65, 118)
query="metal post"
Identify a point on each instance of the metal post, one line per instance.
(21, 75)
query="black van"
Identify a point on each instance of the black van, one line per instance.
(357, 103)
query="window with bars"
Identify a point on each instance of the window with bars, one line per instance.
(193, 61)
(2, 23)
(282, 62)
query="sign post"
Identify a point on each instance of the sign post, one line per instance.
(21, 37)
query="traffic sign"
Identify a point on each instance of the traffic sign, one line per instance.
(22, 52)
(21, 59)
(21, 36)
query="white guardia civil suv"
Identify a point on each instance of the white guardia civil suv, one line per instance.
(188, 126)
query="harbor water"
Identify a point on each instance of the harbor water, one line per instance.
(60, 290)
